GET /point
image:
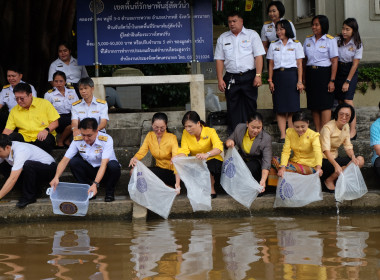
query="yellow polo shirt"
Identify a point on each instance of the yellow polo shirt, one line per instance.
(306, 148)
(33, 120)
(209, 140)
(162, 152)
(247, 142)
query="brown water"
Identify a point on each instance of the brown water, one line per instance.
(302, 247)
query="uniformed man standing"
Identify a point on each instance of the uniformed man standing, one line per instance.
(240, 51)
(26, 162)
(7, 97)
(88, 107)
(95, 162)
(35, 118)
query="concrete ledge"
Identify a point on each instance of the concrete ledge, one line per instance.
(223, 206)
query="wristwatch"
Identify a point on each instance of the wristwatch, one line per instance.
(332, 80)
(258, 75)
(209, 154)
(348, 81)
(48, 129)
(96, 183)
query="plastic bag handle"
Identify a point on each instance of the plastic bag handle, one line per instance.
(91, 194)
(49, 191)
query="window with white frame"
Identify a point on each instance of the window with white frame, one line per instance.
(304, 10)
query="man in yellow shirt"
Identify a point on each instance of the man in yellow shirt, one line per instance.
(35, 118)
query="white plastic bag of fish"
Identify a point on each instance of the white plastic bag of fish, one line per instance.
(237, 180)
(297, 190)
(196, 176)
(350, 184)
(146, 189)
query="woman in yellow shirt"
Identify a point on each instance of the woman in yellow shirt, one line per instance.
(307, 153)
(163, 146)
(202, 142)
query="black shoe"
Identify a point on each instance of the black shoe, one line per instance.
(23, 202)
(109, 198)
(92, 198)
(213, 195)
(354, 138)
(281, 140)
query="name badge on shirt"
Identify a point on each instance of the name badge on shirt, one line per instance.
(57, 100)
(277, 49)
(94, 112)
(308, 45)
(351, 49)
(245, 41)
(291, 50)
(322, 47)
(81, 112)
(226, 44)
(70, 97)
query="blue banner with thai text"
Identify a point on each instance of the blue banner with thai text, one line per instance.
(144, 32)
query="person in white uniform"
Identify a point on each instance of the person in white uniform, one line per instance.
(88, 107)
(240, 51)
(321, 60)
(69, 65)
(24, 164)
(276, 12)
(62, 99)
(92, 159)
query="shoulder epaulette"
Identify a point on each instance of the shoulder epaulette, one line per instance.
(78, 138)
(267, 22)
(308, 36)
(329, 36)
(296, 41)
(70, 87)
(103, 138)
(274, 41)
(7, 86)
(51, 90)
(77, 102)
(101, 101)
(289, 20)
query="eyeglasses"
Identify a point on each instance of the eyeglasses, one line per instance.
(21, 98)
(156, 128)
(344, 115)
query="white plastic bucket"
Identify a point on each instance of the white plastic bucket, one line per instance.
(70, 199)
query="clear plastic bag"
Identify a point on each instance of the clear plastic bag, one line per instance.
(194, 173)
(146, 189)
(350, 184)
(297, 190)
(212, 101)
(237, 180)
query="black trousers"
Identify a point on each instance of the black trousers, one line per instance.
(47, 145)
(85, 173)
(33, 174)
(376, 166)
(254, 166)
(241, 97)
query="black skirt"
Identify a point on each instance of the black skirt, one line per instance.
(166, 175)
(286, 97)
(341, 77)
(317, 81)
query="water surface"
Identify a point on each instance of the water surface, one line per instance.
(301, 247)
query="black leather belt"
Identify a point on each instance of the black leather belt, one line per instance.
(317, 67)
(72, 84)
(285, 69)
(345, 63)
(241, 73)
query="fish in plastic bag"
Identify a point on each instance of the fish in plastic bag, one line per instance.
(146, 189)
(196, 176)
(237, 180)
(297, 190)
(350, 184)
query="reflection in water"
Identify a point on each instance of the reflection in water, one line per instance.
(304, 247)
(241, 252)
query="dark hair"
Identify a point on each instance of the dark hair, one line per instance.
(300, 117)
(86, 82)
(65, 44)
(351, 22)
(256, 116)
(341, 106)
(22, 87)
(324, 22)
(88, 123)
(235, 14)
(5, 141)
(192, 116)
(59, 73)
(15, 68)
(288, 28)
(162, 117)
(280, 7)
